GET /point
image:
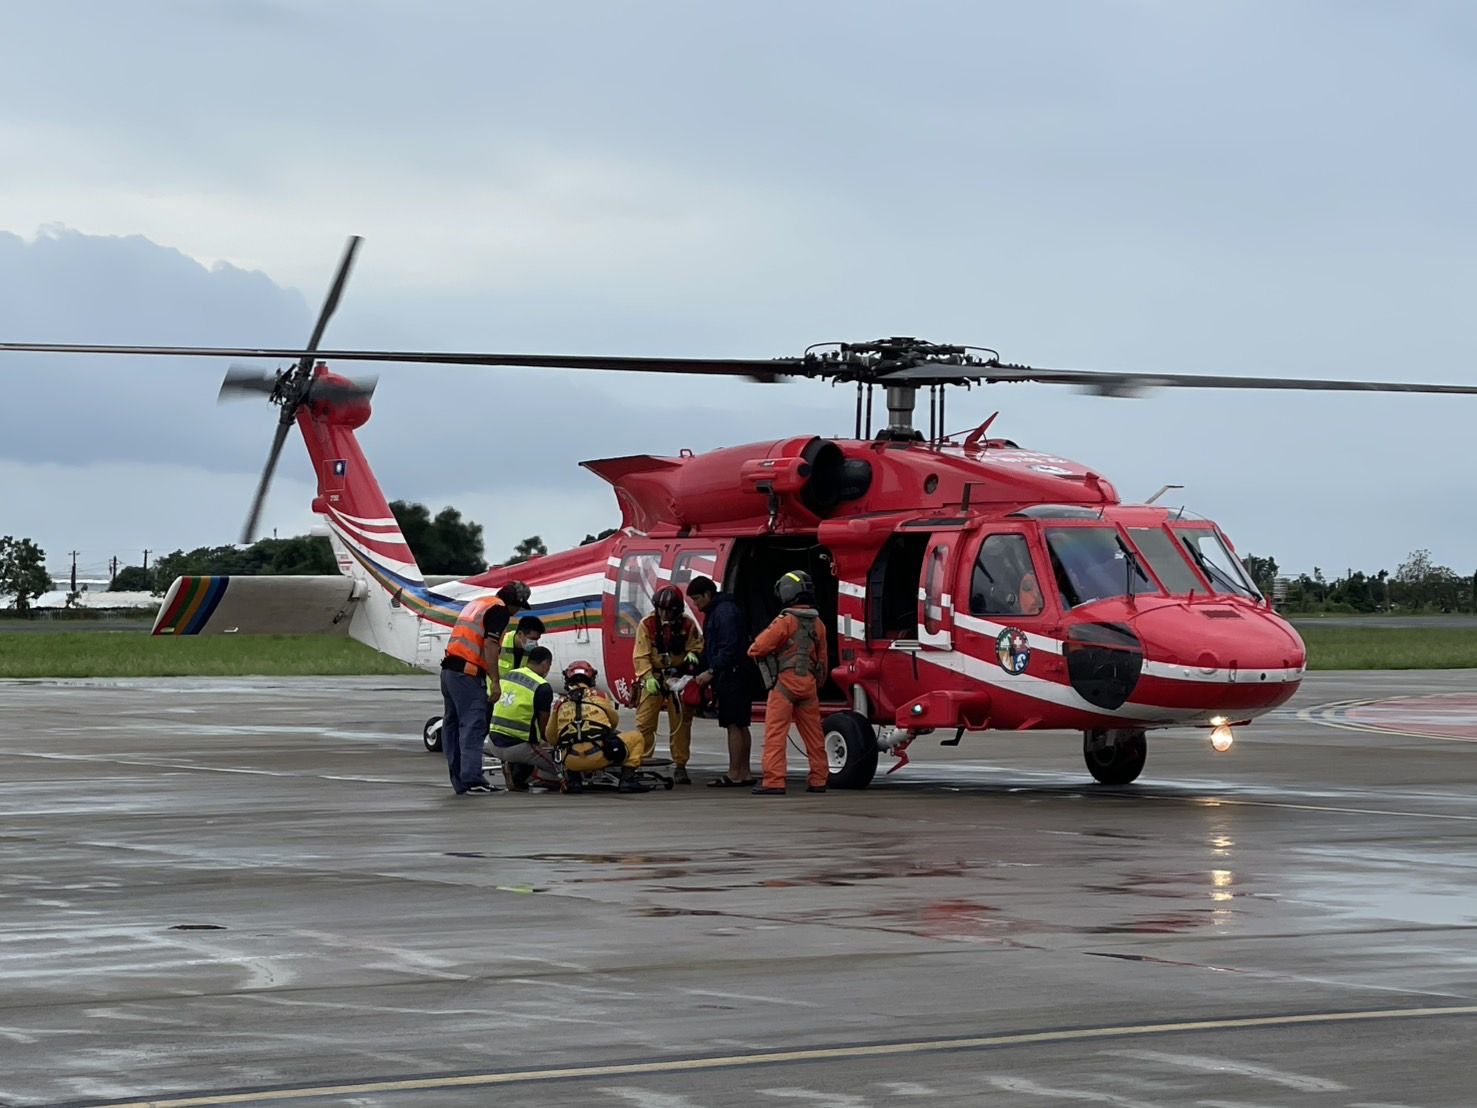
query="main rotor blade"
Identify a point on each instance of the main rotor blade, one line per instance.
(283, 428)
(765, 370)
(330, 303)
(1119, 384)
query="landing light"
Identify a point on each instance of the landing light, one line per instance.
(1221, 737)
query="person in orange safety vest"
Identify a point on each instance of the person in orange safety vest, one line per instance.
(793, 649)
(469, 673)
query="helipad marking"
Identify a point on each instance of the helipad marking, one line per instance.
(769, 1058)
(1448, 716)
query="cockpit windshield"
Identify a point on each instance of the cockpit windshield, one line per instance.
(1218, 564)
(1169, 561)
(1092, 563)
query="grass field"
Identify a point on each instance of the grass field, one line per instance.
(129, 654)
(1335, 647)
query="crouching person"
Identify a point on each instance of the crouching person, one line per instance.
(587, 724)
(520, 718)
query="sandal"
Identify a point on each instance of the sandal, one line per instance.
(724, 781)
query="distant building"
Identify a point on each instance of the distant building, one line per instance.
(92, 595)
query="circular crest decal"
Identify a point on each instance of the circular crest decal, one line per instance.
(1013, 650)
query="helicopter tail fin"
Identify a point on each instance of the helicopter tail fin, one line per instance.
(362, 526)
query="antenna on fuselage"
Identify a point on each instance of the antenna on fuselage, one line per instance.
(1161, 492)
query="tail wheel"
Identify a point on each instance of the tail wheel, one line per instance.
(1115, 757)
(431, 733)
(851, 750)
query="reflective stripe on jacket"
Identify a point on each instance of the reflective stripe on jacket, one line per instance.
(512, 715)
(469, 636)
(509, 651)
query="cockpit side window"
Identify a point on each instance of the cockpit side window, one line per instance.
(1218, 564)
(1004, 581)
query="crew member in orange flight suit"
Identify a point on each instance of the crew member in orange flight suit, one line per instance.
(793, 647)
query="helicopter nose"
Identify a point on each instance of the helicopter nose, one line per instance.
(1229, 658)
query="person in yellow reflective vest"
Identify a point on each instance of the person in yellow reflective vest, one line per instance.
(668, 644)
(517, 642)
(520, 716)
(471, 658)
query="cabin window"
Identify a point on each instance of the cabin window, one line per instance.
(693, 563)
(935, 585)
(638, 582)
(1167, 560)
(1217, 563)
(1004, 581)
(1094, 563)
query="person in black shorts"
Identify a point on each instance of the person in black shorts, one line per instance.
(726, 667)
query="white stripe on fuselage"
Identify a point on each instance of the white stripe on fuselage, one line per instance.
(403, 569)
(1050, 692)
(571, 588)
(363, 522)
(394, 537)
(1169, 671)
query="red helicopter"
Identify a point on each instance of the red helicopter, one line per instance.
(969, 584)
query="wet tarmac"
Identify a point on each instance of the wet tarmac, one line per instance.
(243, 891)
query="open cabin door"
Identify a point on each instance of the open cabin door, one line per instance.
(910, 595)
(936, 591)
(636, 569)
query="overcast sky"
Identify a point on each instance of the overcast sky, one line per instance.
(1275, 189)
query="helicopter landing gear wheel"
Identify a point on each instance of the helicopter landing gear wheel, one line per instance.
(1115, 757)
(431, 734)
(851, 750)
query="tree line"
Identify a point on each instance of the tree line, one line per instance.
(444, 545)
(1417, 585)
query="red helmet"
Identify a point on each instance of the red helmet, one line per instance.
(580, 673)
(668, 601)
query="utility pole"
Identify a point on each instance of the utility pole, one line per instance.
(74, 571)
(146, 560)
(112, 569)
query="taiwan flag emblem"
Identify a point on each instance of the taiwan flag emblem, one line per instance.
(335, 471)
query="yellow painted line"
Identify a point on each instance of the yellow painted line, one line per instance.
(770, 1058)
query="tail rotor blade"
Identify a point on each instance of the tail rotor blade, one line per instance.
(339, 394)
(242, 380)
(283, 427)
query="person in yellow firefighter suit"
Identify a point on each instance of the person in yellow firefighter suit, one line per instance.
(587, 723)
(668, 644)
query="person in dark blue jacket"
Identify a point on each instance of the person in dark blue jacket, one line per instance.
(726, 667)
